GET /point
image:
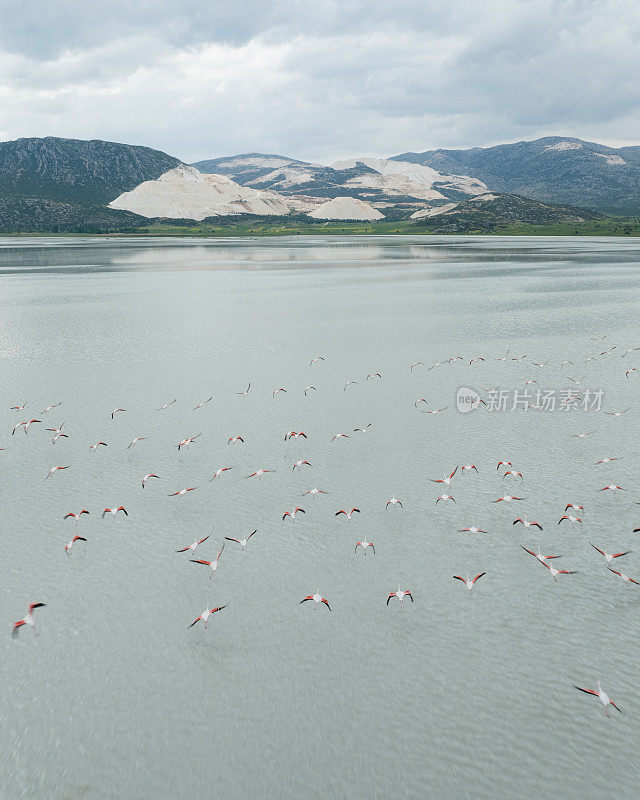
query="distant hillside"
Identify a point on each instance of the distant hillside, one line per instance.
(30, 214)
(77, 170)
(502, 211)
(554, 169)
(75, 177)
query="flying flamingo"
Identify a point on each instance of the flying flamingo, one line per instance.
(472, 529)
(53, 405)
(467, 582)
(539, 555)
(28, 619)
(400, 594)
(114, 511)
(293, 513)
(624, 577)
(571, 519)
(348, 514)
(514, 473)
(555, 572)
(300, 463)
(317, 598)
(26, 425)
(193, 545)
(205, 615)
(524, 521)
(294, 435)
(246, 391)
(186, 442)
(53, 470)
(137, 439)
(204, 403)
(446, 479)
(234, 439)
(180, 492)
(394, 502)
(76, 516)
(602, 696)
(608, 557)
(69, 546)
(258, 473)
(115, 411)
(94, 447)
(213, 565)
(313, 492)
(507, 499)
(146, 478)
(219, 472)
(166, 405)
(365, 545)
(241, 542)
(445, 497)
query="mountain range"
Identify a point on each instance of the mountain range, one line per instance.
(553, 169)
(68, 184)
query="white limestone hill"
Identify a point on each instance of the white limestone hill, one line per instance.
(346, 208)
(185, 193)
(402, 178)
(433, 212)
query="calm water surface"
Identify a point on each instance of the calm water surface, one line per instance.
(453, 696)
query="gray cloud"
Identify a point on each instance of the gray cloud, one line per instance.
(321, 79)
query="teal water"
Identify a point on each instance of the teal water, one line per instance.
(452, 696)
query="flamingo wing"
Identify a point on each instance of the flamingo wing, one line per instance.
(586, 691)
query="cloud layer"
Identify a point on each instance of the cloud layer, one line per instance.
(320, 79)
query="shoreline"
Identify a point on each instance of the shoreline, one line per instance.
(565, 230)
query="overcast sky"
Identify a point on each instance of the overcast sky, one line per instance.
(320, 79)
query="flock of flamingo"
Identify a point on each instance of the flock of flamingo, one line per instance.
(572, 513)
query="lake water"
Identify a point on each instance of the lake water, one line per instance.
(451, 696)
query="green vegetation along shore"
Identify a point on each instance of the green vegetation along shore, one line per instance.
(278, 227)
(602, 227)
